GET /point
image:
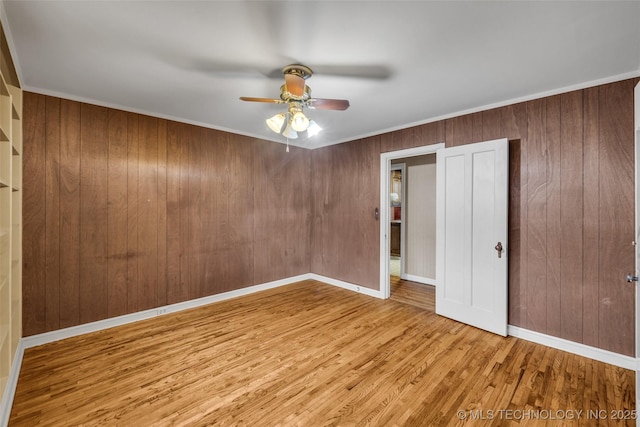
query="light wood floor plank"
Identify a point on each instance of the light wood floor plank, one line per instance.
(309, 354)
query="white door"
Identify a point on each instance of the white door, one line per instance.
(472, 204)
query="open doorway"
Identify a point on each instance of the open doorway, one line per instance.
(397, 213)
(413, 219)
(409, 243)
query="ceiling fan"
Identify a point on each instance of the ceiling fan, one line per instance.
(297, 95)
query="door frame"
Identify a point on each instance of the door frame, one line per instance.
(385, 206)
(636, 162)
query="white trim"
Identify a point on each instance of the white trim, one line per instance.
(636, 171)
(605, 356)
(346, 285)
(10, 387)
(385, 168)
(583, 350)
(512, 101)
(267, 137)
(419, 279)
(86, 100)
(47, 337)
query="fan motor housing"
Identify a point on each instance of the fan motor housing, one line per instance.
(287, 96)
(298, 70)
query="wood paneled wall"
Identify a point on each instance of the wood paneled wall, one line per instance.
(571, 219)
(346, 190)
(125, 212)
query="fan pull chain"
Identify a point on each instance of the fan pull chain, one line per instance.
(287, 145)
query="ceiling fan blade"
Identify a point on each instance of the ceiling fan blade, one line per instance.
(328, 104)
(273, 101)
(294, 84)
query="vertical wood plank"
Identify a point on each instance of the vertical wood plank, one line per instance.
(385, 146)
(34, 214)
(280, 232)
(93, 213)
(210, 210)
(459, 130)
(492, 124)
(554, 225)
(517, 303)
(240, 210)
(616, 298)
(536, 205)
(571, 173)
(514, 126)
(195, 212)
(162, 214)
(325, 203)
(147, 212)
(368, 199)
(339, 234)
(219, 167)
(174, 253)
(590, 208)
(117, 214)
(393, 141)
(346, 178)
(52, 219)
(476, 126)
(265, 213)
(407, 138)
(70, 213)
(186, 288)
(300, 235)
(132, 212)
(427, 134)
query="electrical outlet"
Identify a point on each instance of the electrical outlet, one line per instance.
(162, 311)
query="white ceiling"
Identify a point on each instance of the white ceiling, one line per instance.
(399, 63)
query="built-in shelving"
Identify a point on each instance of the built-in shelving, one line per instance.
(10, 226)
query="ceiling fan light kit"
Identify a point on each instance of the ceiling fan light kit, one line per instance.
(275, 123)
(313, 128)
(299, 122)
(289, 132)
(297, 95)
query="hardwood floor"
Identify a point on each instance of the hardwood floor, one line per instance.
(412, 293)
(310, 354)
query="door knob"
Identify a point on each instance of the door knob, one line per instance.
(499, 249)
(631, 278)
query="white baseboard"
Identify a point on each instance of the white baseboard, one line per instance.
(605, 356)
(10, 387)
(47, 337)
(594, 353)
(346, 285)
(419, 279)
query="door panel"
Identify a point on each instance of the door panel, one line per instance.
(455, 247)
(472, 205)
